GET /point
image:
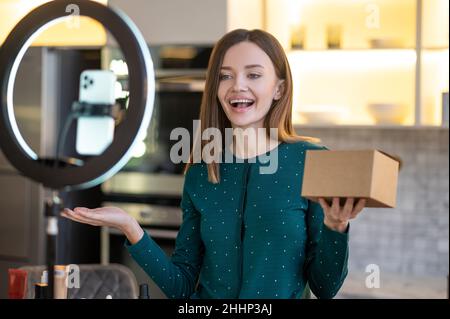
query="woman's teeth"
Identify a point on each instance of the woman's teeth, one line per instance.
(241, 103)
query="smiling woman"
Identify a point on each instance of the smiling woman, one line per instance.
(248, 87)
(246, 233)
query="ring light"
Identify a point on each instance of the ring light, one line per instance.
(127, 133)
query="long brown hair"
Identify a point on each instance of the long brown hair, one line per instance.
(211, 112)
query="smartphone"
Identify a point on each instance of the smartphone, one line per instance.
(95, 133)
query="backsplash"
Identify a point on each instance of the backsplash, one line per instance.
(411, 240)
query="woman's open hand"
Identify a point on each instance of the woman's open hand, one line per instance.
(106, 216)
(337, 217)
(103, 216)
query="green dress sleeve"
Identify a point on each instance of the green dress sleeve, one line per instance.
(176, 276)
(326, 255)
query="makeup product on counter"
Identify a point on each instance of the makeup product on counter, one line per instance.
(41, 288)
(143, 291)
(60, 282)
(44, 277)
(60, 287)
(40, 291)
(17, 283)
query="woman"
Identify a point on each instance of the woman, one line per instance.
(245, 234)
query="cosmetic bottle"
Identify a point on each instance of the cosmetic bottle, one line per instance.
(41, 288)
(143, 292)
(40, 291)
(60, 282)
(17, 283)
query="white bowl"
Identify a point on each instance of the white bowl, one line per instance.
(321, 117)
(387, 113)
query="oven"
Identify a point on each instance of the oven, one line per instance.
(149, 187)
(150, 175)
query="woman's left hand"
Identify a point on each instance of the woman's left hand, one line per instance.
(337, 217)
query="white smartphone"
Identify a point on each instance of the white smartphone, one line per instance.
(95, 133)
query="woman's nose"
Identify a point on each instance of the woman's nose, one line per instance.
(240, 84)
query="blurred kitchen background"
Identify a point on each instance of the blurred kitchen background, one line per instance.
(367, 74)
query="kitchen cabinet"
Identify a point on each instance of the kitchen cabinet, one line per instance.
(365, 62)
(190, 22)
(354, 62)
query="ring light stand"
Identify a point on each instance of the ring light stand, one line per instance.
(59, 175)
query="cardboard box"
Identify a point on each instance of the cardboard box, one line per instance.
(369, 174)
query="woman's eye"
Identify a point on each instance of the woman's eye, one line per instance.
(224, 77)
(254, 75)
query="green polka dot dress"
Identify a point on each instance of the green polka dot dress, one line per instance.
(250, 236)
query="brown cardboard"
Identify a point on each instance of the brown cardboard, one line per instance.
(369, 174)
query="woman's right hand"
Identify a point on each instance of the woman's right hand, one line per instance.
(107, 216)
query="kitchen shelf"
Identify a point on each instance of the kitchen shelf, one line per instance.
(438, 48)
(403, 61)
(434, 48)
(372, 127)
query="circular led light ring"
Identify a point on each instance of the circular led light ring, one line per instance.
(127, 133)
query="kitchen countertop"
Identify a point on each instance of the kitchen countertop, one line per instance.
(394, 287)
